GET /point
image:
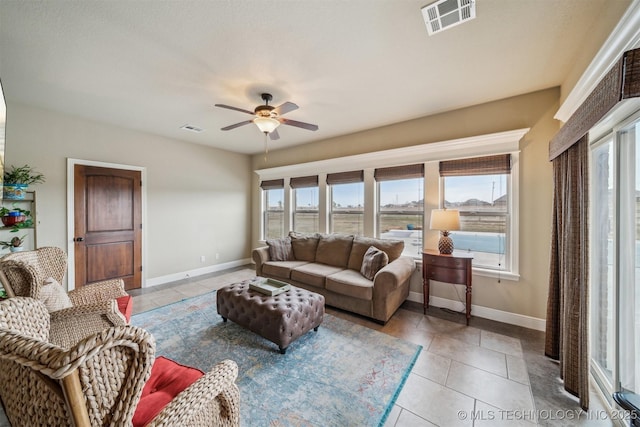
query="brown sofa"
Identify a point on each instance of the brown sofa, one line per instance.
(330, 265)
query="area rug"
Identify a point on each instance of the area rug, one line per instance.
(342, 375)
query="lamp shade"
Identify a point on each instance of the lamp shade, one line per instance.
(445, 219)
(266, 124)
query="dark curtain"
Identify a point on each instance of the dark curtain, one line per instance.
(567, 307)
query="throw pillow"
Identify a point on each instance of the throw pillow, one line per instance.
(374, 259)
(53, 296)
(280, 249)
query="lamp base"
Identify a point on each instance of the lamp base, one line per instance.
(445, 245)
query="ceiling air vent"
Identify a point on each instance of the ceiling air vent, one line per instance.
(191, 128)
(444, 14)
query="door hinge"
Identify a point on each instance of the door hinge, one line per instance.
(140, 268)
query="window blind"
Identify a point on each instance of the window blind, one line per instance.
(621, 82)
(399, 172)
(345, 177)
(304, 181)
(488, 165)
(272, 184)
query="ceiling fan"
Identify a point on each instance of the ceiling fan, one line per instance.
(268, 117)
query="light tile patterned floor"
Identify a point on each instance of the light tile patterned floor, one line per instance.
(486, 374)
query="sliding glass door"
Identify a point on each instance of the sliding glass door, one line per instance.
(615, 259)
(602, 253)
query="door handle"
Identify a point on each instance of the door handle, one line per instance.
(79, 239)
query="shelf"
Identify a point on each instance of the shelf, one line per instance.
(31, 242)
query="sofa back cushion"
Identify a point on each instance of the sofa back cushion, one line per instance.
(334, 249)
(304, 246)
(393, 249)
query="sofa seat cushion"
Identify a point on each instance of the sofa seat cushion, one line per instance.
(393, 249)
(350, 283)
(281, 268)
(313, 274)
(334, 249)
(167, 380)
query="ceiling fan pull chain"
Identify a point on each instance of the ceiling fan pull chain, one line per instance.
(266, 146)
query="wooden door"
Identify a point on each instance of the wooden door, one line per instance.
(108, 225)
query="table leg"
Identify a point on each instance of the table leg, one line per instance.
(425, 292)
(468, 303)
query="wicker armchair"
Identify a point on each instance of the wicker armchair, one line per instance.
(24, 273)
(98, 381)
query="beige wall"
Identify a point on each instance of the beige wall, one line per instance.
(594, 38)
(197, 197)
(526, 297)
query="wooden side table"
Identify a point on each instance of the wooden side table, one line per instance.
(454, 268)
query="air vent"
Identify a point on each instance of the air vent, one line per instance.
(191, 128)
(444, 14)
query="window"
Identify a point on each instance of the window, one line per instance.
(602, 263)
(347, 202)
(615, 260)
(306, 215)
(273, 211)
(479, 189)
(401, 205)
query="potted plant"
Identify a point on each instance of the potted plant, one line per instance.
(14, 245)
(16, 218)
(18, 179)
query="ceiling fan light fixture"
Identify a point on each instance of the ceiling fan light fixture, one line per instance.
(266, 124)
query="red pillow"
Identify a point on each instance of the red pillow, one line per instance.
(168, 379)
(125, 305)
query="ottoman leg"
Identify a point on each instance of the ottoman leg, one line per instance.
(224, 319)
(316, 328)
(282, 350)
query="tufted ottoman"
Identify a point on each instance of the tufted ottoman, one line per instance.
(281, 319)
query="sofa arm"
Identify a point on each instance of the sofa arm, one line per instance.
(70, 325)
(393, 275)
(216, 385)
(260, 256)
(97, 292)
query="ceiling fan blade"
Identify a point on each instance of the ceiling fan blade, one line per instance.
(237, 125)
(229, 107)
(298, 124)
(285, 108)
(274, 135)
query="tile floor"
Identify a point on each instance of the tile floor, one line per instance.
(487, 373)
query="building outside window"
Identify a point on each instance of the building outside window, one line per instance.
(401, 205)
(306, 214)
(273, 209)
(347, 202)
(615, 260)
(479, 189)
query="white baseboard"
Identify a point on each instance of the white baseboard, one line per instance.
(194, 273)
(484, 312)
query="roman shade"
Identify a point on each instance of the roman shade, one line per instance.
(272, 184)
(487, 165)
(304, 181)
(345, 177)
(621, 82)
(399, 172)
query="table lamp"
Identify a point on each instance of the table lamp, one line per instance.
(445, 220)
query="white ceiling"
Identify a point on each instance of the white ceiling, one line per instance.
(350, 65)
